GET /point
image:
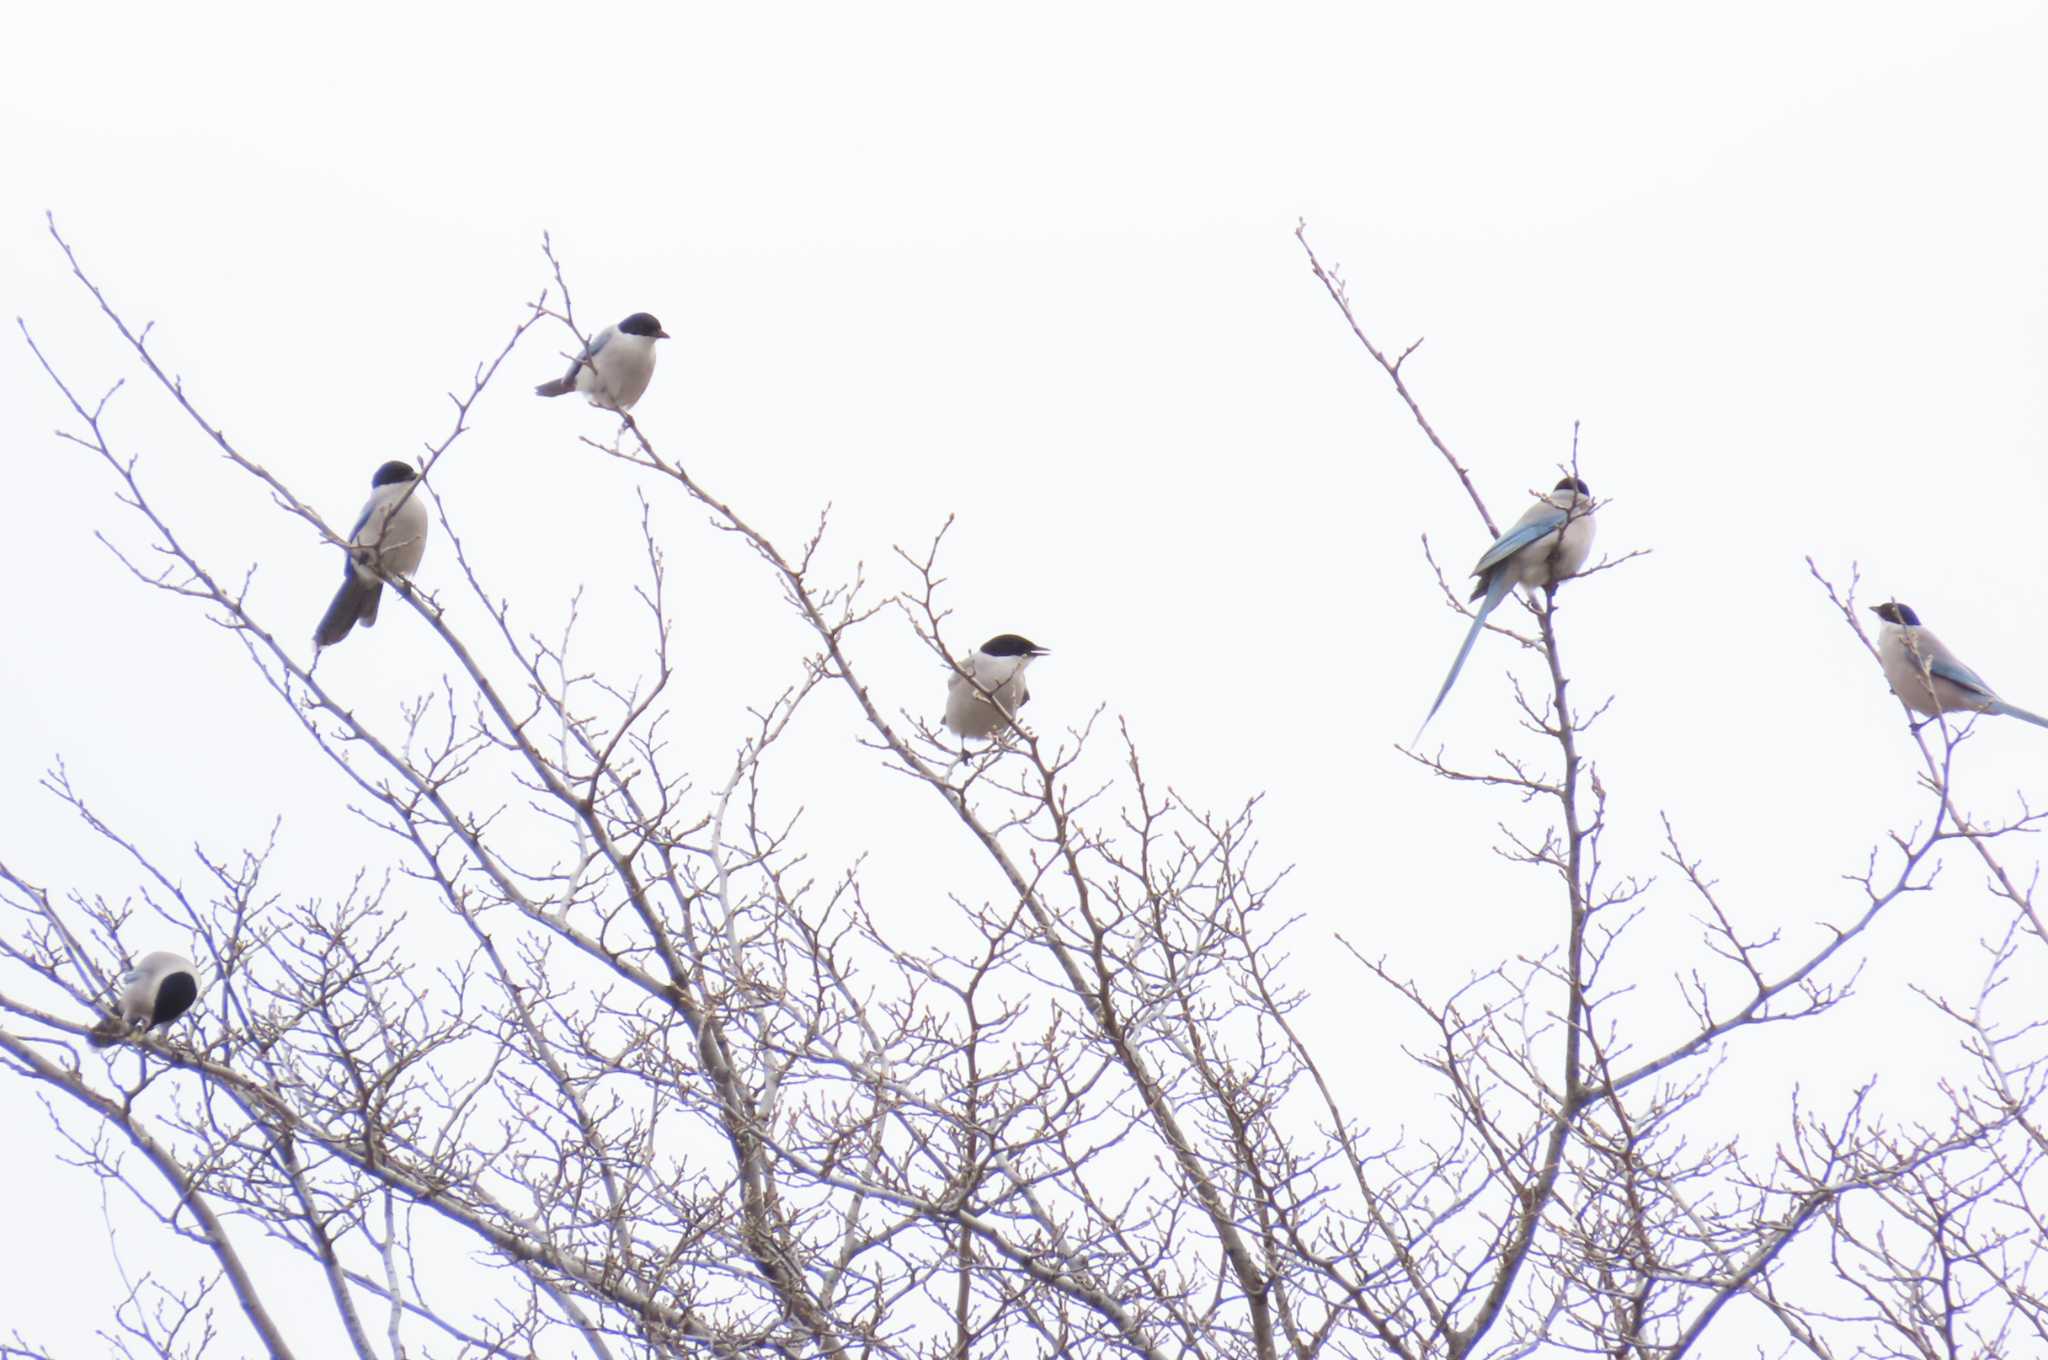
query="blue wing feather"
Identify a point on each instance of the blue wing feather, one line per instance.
(590, 350)
(1962, 677)
(1518, 538)
(1956, 673)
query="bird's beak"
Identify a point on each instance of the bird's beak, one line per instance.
(661, 335)
(1041, 651)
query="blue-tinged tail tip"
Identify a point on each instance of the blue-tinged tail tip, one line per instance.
(2012, 711)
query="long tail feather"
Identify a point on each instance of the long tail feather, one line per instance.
(1497, 587)
(558, 387)
(2001, 706)
(356, 599)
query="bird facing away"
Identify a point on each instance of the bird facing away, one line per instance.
(1926, 675)
(984, 704)
(1548, 543)
(614, 367)
(154, 992)
(389, 537)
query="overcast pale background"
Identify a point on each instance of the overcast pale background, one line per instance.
(1034, 267)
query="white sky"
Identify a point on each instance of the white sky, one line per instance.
(1035, 268)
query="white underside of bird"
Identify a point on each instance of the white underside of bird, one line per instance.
(394, 537)
(618, 376)
(982, 707)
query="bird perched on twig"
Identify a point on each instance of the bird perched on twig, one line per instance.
(614, 368)
(1548, 543)
(1926, 675)
(984, 694)
(156, 991)
(388, 540)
